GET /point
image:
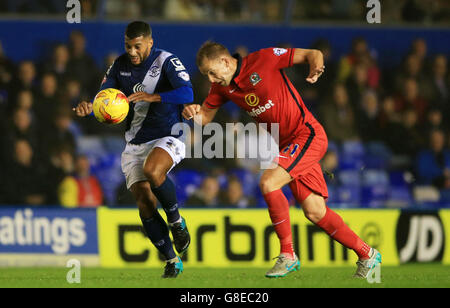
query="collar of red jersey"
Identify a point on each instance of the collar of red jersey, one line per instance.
(236, 78)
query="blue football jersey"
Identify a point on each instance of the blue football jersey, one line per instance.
(160, 72)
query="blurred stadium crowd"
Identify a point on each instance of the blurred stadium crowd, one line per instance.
(417, 11)
(388, 127)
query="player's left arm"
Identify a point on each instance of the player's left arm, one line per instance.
(315, 60)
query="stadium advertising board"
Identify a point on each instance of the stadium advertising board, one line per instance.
(38, 236)
(243, 238)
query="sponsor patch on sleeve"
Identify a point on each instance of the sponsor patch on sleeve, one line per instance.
(279, 51)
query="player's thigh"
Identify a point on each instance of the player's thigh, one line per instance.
(166, 153)
(274, 179)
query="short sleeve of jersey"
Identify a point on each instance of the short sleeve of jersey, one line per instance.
(176, 73)
(110, 79)
(278, 58)
(214, 99)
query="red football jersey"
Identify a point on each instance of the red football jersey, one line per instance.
(261, 88)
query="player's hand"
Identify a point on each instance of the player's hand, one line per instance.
(190, 111)
(144, 97)
(314, 74)
(83, 109)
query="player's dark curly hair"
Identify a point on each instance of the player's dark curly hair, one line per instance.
(210, 50)
(137, 29)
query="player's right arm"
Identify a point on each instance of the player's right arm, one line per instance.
(109, 81)
(205, 113)
(201, 114)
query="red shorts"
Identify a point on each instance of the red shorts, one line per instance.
(301, 160)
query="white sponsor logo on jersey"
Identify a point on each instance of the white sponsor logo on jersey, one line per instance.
(261, 109)
(178, 65)
(279, 51)
(184, 76)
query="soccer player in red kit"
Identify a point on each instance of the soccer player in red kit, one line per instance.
(258, 84)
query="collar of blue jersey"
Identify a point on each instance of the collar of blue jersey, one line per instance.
(238, 68)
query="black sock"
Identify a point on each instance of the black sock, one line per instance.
(158, 233)
(167, 196)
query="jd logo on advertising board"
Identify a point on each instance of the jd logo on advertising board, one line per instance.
(420, 237)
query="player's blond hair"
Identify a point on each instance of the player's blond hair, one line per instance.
(211, 50)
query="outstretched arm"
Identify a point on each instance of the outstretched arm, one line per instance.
(201, 114)
(315, 59)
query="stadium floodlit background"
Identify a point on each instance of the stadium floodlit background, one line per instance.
(384, 101)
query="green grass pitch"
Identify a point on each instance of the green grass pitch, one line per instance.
(409, 276)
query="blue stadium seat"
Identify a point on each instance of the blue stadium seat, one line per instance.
(397, 179)
(333, 197)
(375, 177)
(108, 171)
(349, 196)
(351, 156)
(332, 146)
(114, 144)
(186, 182)
(91, 147)
(445, 198)
(374, 196)
(400, 196)
(349, 178)
(377, 156)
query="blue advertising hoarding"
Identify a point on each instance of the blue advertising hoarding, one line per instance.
(30, 233)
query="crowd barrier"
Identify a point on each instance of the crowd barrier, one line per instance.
(114, 238)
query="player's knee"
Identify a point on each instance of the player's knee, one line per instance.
(314, 209)
(266, 185)
(313, 215)
(154, 176)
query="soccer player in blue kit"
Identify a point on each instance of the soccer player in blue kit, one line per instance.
(157, 85)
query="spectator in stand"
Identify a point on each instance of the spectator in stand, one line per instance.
(368, 119)
(21, 127)
(24, 176)
(25, 80)
(83, 189)
(59, 132)
(434, 121)
(234, 195)
(359, 51)
(25, 100)
(419, 48)
(388, 114)
(6, 69)
(60, 165)
(338, 116)
(357, 85)
(206, 195)
(404, 138)
(46, 102)
(414, 11)
(411, 98)
(73, 93)
(80, 63)
(59, 63)
(186, 10)
(433, 163)
(89, 8)
(439, 82)
(412, 69)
